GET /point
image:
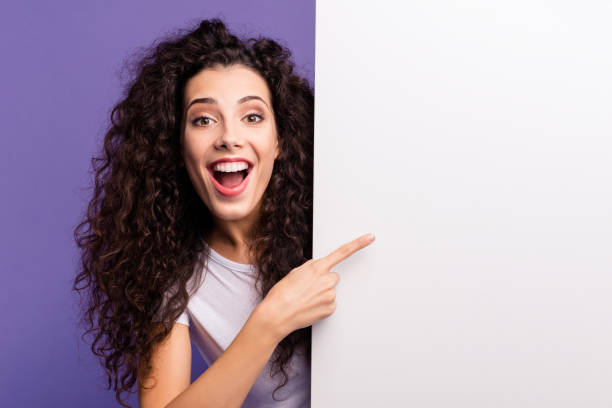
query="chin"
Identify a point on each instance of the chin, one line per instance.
(228, 212)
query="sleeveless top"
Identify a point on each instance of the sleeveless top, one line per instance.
(215, 314)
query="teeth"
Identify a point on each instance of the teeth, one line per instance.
(231, 166)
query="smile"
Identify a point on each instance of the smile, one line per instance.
(230, 176)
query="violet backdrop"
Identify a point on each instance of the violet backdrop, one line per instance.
(61, 74)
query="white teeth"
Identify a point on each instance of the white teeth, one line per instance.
(231, 166)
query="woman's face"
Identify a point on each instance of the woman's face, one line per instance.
(229, 139)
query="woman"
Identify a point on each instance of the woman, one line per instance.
(206, 172)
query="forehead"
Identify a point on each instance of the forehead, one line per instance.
(226, 84)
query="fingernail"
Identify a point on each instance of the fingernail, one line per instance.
(370, 237)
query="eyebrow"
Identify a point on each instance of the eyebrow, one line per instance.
(212, 101)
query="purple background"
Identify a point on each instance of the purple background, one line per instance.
(61, 66)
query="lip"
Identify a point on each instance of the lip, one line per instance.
(233, 191)
(229, 159)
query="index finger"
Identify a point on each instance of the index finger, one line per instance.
(346, 250)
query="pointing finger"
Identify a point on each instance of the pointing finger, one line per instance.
(346, 250)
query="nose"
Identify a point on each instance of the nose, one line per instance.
(229, 138)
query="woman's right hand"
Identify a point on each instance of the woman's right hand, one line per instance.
(306, 294)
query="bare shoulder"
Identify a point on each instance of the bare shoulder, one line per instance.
(171, 369)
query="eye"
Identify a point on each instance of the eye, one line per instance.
(254, 115)
(200, 119)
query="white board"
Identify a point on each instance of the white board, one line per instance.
(474, 138)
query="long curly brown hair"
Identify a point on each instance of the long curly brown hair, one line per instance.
(144, 228)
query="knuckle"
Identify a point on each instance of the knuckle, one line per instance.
(332, 307)
(335, 278)
(331, 279)
(319, 267)
(307, 264)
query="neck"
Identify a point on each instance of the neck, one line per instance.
(231, 238)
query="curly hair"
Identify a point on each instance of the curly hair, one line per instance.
(144, 227)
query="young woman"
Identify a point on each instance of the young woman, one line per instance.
(200, 228)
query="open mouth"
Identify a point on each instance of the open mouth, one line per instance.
(230, 181)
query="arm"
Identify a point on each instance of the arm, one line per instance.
(171, 369)
(303, 297)
(227, 381)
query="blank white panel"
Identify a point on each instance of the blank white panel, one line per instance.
(474, 138)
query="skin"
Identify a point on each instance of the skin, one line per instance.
(228, 128)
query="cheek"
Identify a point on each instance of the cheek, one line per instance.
(193, 156)
(194, 149)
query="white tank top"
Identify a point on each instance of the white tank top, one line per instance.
(217, 312)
